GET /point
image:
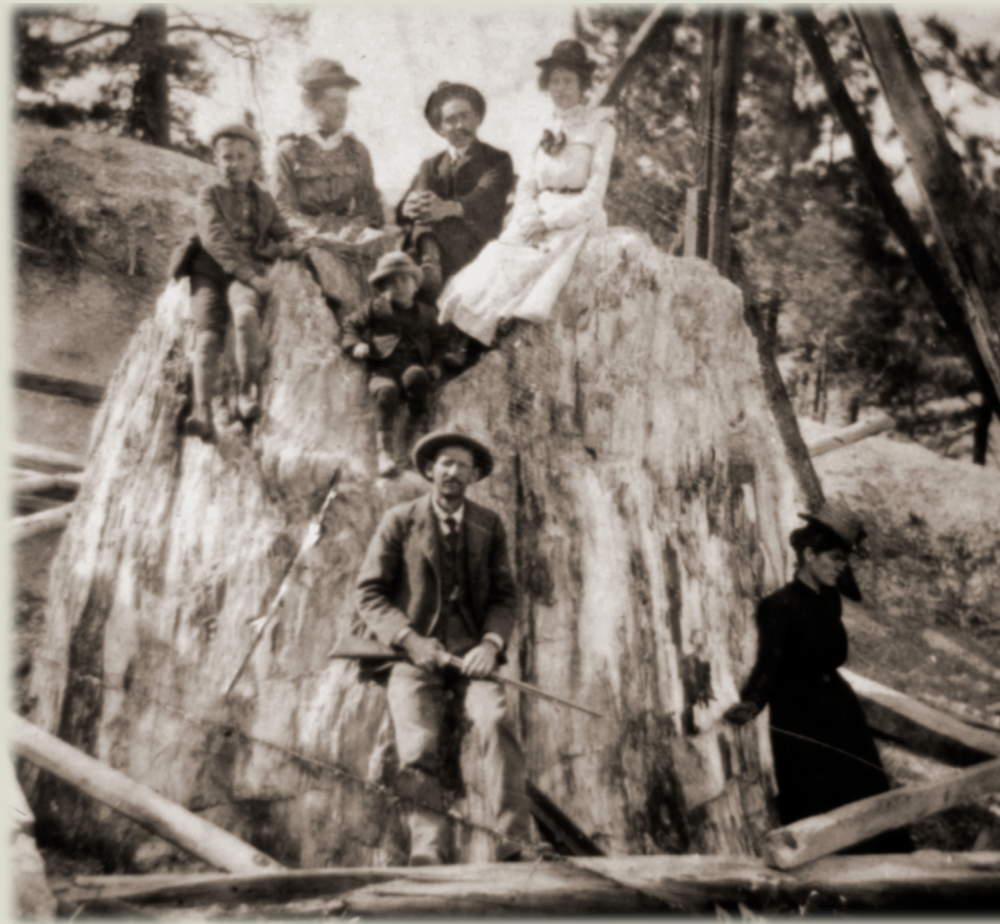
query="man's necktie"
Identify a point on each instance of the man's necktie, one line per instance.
(452, 543)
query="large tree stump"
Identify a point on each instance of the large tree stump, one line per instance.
(647, 495)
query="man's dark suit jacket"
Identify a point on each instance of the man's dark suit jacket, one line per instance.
(213, 251)
(399, 584)
(481, 180)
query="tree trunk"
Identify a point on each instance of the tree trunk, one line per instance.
(897, 217)
(967, 236)
(149, 114)
(648, 498)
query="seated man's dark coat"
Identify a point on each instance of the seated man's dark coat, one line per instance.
(481, 180)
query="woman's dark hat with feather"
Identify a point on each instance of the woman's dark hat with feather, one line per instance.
(570, 54)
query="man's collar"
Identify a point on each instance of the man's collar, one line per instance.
(443, 514)
(456, 154)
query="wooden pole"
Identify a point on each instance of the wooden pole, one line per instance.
(821, 835)
(37, 483)
(725, 96)
(966, 236)
(83, 392)
(656, 30)
(896, 215)
(138, 802)
(920, 727)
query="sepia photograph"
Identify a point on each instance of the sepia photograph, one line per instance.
(504, 460)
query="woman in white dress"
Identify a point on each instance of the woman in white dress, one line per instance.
(559, 201)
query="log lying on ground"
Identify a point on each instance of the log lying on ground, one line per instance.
(138, 802)
(84, 392)
(921, 727)
(43, 459)
(64, 487)
(821, 835)
(852, 434)
(950, 647)
(615, 884)
(45, 521)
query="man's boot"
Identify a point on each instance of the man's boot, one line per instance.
(204, 365)
(386, 463)
(430, 831)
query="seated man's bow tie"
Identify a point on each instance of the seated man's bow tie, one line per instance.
(552, 144)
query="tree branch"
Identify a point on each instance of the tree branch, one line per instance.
(106, 29)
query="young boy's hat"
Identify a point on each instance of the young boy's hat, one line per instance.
(237, 130)
(395, 262)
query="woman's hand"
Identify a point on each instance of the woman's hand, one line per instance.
(533, 230)
(260, 285)
(361, 351)
(741, 713)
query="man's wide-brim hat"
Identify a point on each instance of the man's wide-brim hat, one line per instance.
(569, 54)
(323, 73)
(837, 516)
(426, 451)
(395, 262)
(237, 130)
(446, 91)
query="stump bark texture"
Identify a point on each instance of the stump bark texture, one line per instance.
(647, 496)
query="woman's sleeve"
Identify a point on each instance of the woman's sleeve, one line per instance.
(368, 201)
(286, 194)
(575, 210)
(772, 633)
(525, 206)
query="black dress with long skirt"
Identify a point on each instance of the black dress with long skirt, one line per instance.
(824, 754)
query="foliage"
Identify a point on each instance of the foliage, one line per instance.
(135, 58)
(807, 236)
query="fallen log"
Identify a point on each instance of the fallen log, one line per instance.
(920, 727)
(138, 802)
(942, 643)
(43, 459)
(64, 486)
(45, 521)
(821, 835)
(618, 883)
(83, 392)
(852, 434)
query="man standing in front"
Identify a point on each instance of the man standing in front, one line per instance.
(437, 582)
(457, 200)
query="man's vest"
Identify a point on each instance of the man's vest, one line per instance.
(455, 629)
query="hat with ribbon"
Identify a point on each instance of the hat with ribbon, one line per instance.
(322, 73)
(395, 262)
(570, 54)
(426, 451)
(446, 91)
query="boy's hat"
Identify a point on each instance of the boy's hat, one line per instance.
(446, 91)
(322, 73)
(426, 451)
(237, 130)
(395, 262)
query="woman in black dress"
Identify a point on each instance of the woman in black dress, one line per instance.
(824, 755)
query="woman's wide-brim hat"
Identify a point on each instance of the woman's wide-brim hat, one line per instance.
(569, 54)
(446, 91)
(236, 130)
(426, 451)
(323, 73)
(837, 516)
(395, 262)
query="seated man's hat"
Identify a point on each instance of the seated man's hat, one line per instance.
(446, 91)
(323, 73)
(395, 262)
(426, 451)
(237, 130)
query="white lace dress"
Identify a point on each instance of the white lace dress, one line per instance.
(564, 186)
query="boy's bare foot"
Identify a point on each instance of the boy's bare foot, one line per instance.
(247, 407)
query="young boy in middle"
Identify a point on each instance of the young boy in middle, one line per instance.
(403, 345)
